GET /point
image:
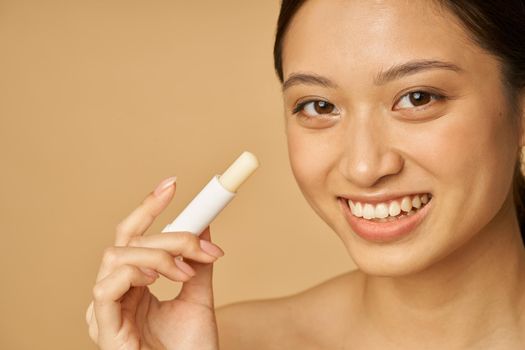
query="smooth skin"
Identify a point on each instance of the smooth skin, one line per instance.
(124, 314)
(457, 282)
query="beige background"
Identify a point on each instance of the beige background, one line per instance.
(99, 101)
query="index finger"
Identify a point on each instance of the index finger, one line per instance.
(143, 216)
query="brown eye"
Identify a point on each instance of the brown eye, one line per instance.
(419, 98)
(323, 107)
(315, 108)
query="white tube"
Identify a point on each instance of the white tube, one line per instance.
(214, 197)
(202, 209)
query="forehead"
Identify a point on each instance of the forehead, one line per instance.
(350, 37)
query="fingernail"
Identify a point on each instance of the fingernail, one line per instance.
(184, 267)
(150, 272)
(211, 248)
(164, 185)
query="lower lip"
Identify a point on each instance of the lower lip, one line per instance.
(384, 231)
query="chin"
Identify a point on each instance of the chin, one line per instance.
(389, 260)
(388, 268)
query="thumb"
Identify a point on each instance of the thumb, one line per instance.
(199, 289)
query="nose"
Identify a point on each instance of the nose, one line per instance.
(368, 156)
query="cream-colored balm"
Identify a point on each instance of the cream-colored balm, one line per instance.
(214, 197)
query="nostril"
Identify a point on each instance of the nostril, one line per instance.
(367, 158)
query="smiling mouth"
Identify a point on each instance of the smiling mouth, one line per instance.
(388, 221)
(389, 211)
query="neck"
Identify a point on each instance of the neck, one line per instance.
(467, 298)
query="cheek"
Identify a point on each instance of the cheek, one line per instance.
(473, 141)
(471, 156)
(312, 156)
(476, 149)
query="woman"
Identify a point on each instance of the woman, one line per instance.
(404, 125)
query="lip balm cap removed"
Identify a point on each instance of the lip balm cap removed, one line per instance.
(209, 202)
(239, 171)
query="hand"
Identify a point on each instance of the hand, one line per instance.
(125, 315)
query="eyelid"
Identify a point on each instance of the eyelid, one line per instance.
(437, 95)
(423, 88)
(299, 106)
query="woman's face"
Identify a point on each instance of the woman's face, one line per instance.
(390, 99)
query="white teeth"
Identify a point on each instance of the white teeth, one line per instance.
(406, 204)
(368, 211)
(358, 210)
(416, 202)
(382, 211)
(394, 209)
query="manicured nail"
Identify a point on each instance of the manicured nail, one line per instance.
(187, 269)
(211, 248)
(164, 185)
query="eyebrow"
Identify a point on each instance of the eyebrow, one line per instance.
(383, 77)
(413, 67)
(308, 79)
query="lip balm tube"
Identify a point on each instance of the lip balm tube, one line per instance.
(214, 197)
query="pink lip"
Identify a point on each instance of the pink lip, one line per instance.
(384, 231)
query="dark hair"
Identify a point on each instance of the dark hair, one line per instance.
(496, 26)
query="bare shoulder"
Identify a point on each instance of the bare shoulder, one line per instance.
(304, 320)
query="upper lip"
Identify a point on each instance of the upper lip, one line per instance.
(380, 198)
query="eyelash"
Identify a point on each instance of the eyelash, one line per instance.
(300, 107)
(433, 95)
